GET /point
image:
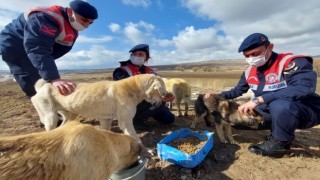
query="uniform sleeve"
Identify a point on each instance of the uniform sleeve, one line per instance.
(241, 88)
(301, 82)
(39, 38)
(153, 71)
(119, 74)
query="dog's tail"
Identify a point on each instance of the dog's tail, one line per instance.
(39, 84)
(187, 99)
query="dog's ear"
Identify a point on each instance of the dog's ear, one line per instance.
(224, 105)
(158, 85)
(219, 97)
(149, 91)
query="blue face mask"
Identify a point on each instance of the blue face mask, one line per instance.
(139, 61)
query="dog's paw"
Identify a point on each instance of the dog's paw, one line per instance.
(145, 152)
(152, 152)
(193, 126)
(234, 142)
(224, 141)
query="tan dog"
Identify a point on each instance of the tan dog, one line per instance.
(73, 151)
(223, 113)
(104, 100)
(182, 91)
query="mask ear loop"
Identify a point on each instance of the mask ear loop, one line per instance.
(266, 53)
(73, 17)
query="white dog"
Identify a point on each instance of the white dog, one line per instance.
(75, 151)
(182, 91)
(104, 100)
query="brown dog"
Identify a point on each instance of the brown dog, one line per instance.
(223, 113)
(104, 101)
(73, 151)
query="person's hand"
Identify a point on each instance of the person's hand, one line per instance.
(64, 87)
(247, 108)
(168, 98)
(208, 95)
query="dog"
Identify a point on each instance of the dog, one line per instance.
(73, 151)
(223, 113)
(103, 100)
(182, 91)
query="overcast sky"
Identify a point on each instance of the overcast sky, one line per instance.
(181, 31)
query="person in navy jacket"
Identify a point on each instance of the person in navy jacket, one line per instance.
(284, 86)
(31, 43)
(135, 65)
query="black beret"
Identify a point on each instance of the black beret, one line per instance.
(252, 41)
(141, 47)
(84, 9)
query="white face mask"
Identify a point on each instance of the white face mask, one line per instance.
(258, 60)
(75, 24)
(137, 60)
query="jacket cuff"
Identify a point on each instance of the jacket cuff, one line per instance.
(267, 98)
(49, 75)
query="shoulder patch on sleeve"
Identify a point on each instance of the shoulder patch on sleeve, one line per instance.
(48, 30)
(292, 67)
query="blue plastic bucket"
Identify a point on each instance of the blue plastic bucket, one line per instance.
(171, 154)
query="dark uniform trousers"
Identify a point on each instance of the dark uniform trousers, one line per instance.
(162, 113)
(23, 71)
(287, 116)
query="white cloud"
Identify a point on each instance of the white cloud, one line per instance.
(143, 3)
(163, 42)
(11, 9)
(95, 57)
(3, 65)
(85, 39)
(6, 17)
(114, 27)
(191, 39)
(139, 32)
(291, 25)
(21, 6)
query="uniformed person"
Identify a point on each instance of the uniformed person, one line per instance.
(139, 55)
(284, 87)
(31, 43)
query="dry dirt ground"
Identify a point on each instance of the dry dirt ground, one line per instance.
(225, 161)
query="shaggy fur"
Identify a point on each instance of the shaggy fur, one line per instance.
(223, 113)
(73, 151)
(182, 91)
(104, 100)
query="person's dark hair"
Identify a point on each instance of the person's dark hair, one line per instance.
(267, 44)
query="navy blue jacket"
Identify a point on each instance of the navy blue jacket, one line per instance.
(24, 37)
(119, 73)
(301, 85)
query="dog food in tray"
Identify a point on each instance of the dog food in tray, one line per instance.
(175, 147)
